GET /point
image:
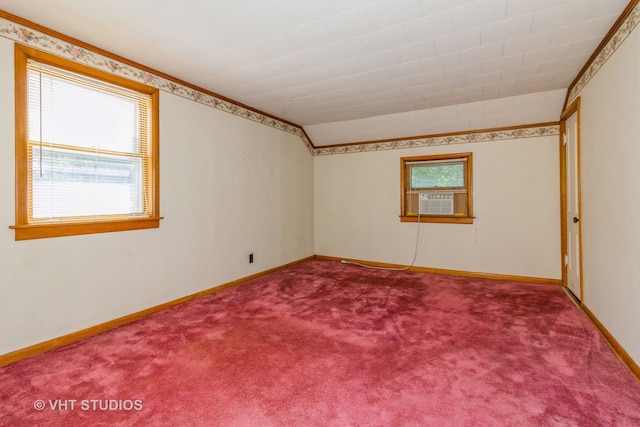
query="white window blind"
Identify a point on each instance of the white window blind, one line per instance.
(88, 148)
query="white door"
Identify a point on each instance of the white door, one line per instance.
(573, 205)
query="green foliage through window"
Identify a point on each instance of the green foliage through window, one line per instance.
(438, 175)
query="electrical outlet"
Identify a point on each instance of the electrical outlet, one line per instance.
(250, 258)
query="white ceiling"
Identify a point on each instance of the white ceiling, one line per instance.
(345, 69)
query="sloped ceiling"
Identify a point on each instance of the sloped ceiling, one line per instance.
(353, 70)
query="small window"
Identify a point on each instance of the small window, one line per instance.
(436, 188)
(86, 150)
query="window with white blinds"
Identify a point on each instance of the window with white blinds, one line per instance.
(89, 150)
(88, 147)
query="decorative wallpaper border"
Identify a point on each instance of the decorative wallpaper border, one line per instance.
(629, 24)
(458, 138)
(24, 35)
(33, 38)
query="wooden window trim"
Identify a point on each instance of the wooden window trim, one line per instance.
(467, 219)
(25, 230)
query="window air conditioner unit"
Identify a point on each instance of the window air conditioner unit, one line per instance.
(435, 203)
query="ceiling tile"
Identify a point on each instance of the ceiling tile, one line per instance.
(404, 70)
(415, 52)
(310, 36)
(245, 55)
(428, 77)
(583, 30)
(395, 85)
(563, 64)
(378, 60)
(522, 71)
(340, 51)
(384, 39)
(612, 8)
(481, 53)
(429, 27)
(530, 42)
(388, 13)
(562, 15)
(499, 107)
(445, 114)
(442, 62)
(485, 78)
(449, 84)
(287, 15)
(463, 71)
(430, 7)
(474, 110)
(345, 5)
(352, 23)
(458, 41)
(502, 64)
(29, 10)
(502, 30)
(479, 13)
(584, 47)
(249, 27)
(469, 91)
(322, 60)
(483, 123)
(346, 67)
(496, 90)
(541, 81)
(529, 7)
(544, 55)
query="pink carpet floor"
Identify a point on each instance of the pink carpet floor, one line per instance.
(328, 344)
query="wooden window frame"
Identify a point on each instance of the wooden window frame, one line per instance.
(24, 229)
(404, 183)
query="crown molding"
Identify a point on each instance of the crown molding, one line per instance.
(31, 34)
(34, 35)
(618, 33)
(485, 135)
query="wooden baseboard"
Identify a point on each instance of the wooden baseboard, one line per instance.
(42, 347)
(539, 280)
(619, 351)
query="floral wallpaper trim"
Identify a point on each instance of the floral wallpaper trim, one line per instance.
(27, 36)
(627, 27)
(497, 135)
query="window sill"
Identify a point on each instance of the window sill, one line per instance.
(42, 231)
(438, 219)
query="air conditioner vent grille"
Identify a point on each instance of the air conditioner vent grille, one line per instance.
(435, 203)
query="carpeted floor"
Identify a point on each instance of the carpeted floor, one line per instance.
(327, 344)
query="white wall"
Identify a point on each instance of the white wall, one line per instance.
(610, 154)
(229, 187)
(516, 204)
